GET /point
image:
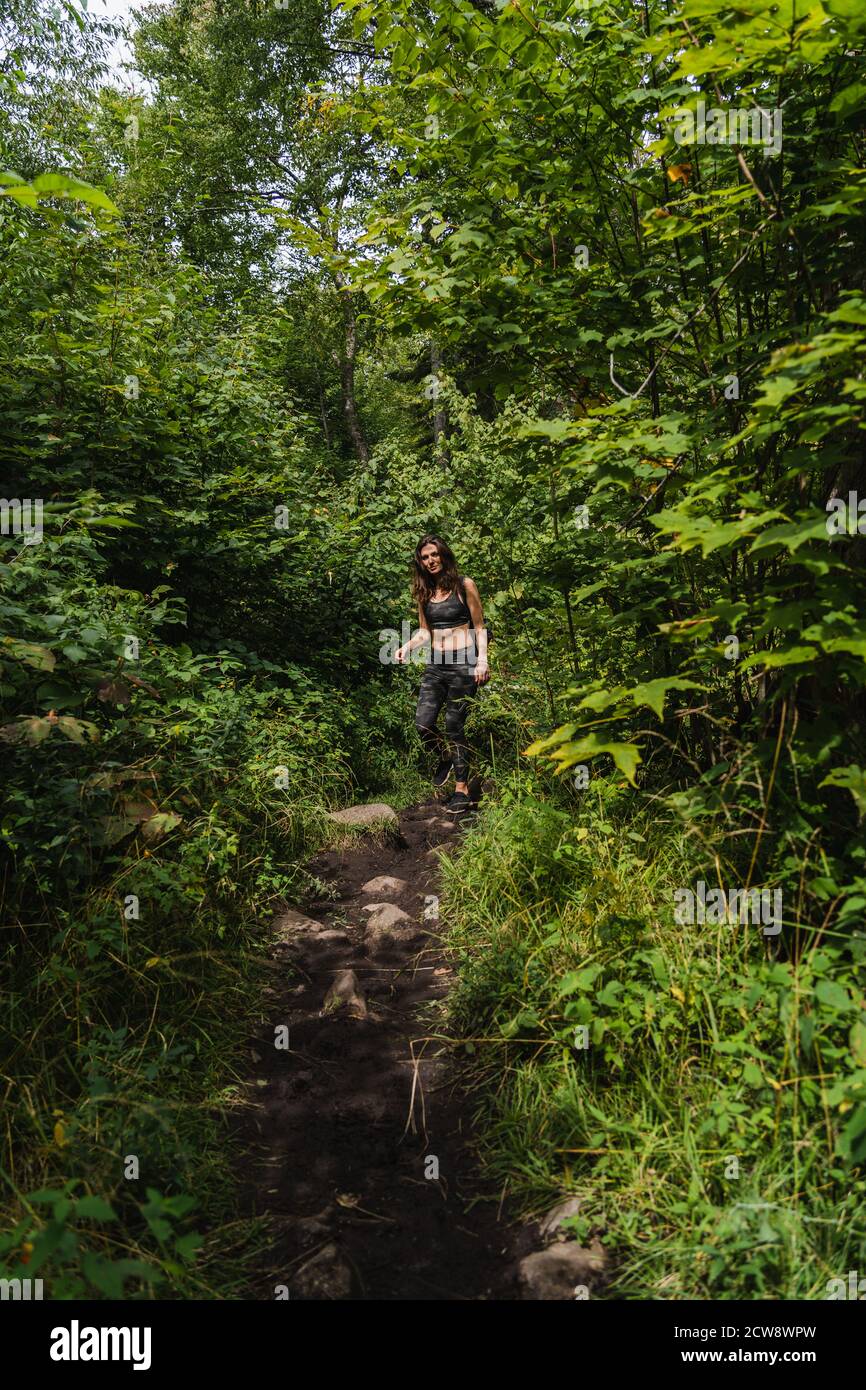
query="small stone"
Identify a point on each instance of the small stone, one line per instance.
(326, 1276)
(549, 1226)
(345, 992)
(385, 883)
(555, 1273)
(364, 815)
(389, 926)
(386, 915)
(289, 923)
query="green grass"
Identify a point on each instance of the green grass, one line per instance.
(706, 1154)
(127, 1037)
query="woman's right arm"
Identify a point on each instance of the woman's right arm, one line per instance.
(418, 639)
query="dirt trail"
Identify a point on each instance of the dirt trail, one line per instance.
(344, 1155)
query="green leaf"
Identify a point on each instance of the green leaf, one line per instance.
(156, 826)
(526, 1018)
(652, 693)
(853, 779)
(568, 984)
(94, 1209)
(625, 755)
(77, 730)
(832, 994)
(792, 534)
(61, 185)
(541, 745)
(47, 1195)
(850, 99)
(785, 656)
(857, 1042)
(32, 653)
(110, 1276)
(584, 979)
(852, 1140)
(187, 1246)
(608, 995)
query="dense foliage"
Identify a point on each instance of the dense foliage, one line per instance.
(335, 276)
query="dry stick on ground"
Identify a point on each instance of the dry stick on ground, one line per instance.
(416, 1085)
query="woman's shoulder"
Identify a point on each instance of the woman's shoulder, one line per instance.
(469, 584)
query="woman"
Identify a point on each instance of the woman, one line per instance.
(457, 662)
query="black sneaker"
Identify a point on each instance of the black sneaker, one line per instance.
(442, 773)
(457, 804)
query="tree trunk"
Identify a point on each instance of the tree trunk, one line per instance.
(440, 414)
(347, 370)
(325, 429)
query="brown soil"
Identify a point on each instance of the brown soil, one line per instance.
(345, 1123)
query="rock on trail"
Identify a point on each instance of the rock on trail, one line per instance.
(561, 1272)
(385, 883)
(354, 1129)
(345, 991)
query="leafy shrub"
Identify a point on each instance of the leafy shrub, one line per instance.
(703, 1095)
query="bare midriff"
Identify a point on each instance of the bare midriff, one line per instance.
(451, 639)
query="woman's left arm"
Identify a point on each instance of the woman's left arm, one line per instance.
(473, 601)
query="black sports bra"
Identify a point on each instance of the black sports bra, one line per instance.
(449, 612)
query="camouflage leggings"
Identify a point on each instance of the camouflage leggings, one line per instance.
(454, 684)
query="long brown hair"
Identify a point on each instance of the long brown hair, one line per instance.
(425, 585)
